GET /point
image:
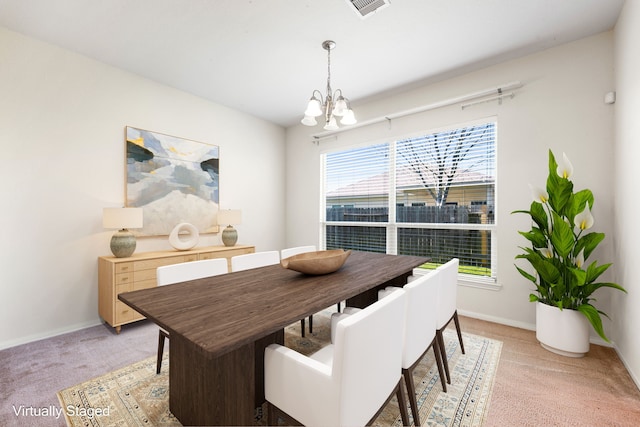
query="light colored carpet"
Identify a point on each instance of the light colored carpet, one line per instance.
(135, 395)
(535, 387)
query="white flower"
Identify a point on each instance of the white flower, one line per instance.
(548, 251)
(539, 195)
(565, 168)
(579, 259)
(584, 220)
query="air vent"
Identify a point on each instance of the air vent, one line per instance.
(366, 8)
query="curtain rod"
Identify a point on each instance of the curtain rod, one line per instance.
(498, 91)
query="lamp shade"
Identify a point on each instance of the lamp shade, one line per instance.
(120, 218)
(229, 216)
(314, 108)
(349, 118)
(309, 121)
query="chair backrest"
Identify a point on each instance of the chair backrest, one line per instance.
(254, 260)
(168, 274)
(448, 291)
(367, 358)
(286, 253)
(420, 316)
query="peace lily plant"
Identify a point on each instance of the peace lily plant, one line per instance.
(561, 244)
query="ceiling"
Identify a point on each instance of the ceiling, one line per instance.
(264, 57)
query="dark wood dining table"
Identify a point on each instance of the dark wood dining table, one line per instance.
(220, 325)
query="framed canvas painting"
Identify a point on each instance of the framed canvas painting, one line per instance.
(174, 180)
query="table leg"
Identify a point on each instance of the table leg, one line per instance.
(219, 391)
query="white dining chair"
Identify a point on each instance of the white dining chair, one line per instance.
(347, 383)
(174, 273)
(419, 330)
(254, 260)
(447, 308)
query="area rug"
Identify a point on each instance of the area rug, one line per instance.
(136, 396)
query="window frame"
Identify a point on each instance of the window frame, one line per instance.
(392, 226)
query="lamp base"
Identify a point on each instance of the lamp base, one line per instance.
(123, 243)
(229, 236)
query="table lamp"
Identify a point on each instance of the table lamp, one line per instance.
(229, 217)
(123, 242)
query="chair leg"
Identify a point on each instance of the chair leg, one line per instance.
(302, 326)
(402, 403)
(338, 307)
(438, 355)
(411, 391)
(455, 319)
(311, 325)
(443, 352)
(161, 336)
(272, 417)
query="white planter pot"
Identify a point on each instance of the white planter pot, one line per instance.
(564, 332)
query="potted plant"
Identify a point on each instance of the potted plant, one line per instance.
(560, 247)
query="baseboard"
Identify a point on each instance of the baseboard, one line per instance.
(49, 334)
(499, 320)
(593, 339)
(632, 374)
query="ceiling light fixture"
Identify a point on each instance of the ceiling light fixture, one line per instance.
(333, 105)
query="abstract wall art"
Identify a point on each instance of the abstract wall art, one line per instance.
(174, 180)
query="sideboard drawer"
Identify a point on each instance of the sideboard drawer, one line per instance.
(144, 284)
(124, 267)
(152, 264)
(124, 313)
(124, 278)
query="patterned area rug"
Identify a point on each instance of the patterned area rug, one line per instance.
(136, 396)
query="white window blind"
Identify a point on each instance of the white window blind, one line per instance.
(432, 195)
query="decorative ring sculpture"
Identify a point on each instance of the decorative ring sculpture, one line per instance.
(184, 241)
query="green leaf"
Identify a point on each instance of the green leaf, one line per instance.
(536, 237)
(527, 275)
(562, 237)
(538, 215)
(544, 267)
(592, 287)
(577, 278)
(594, 271)
(588, 242)
(560, 189)
(594, 318)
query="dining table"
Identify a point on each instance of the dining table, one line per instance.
(219, 327)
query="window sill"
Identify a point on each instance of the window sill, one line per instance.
(467, 280)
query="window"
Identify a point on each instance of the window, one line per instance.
(432, 195)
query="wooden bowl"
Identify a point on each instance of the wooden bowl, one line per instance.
(316, 263)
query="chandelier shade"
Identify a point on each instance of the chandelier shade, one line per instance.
(326, 106)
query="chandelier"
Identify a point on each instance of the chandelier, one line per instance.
(332, 105)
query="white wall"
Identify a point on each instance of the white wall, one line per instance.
(627, 202)
(560, 107)
(62, 119)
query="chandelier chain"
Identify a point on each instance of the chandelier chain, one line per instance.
(329, 71)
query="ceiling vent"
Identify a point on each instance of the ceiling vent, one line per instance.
(366, 8)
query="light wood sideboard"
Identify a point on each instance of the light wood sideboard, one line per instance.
(117, 275)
